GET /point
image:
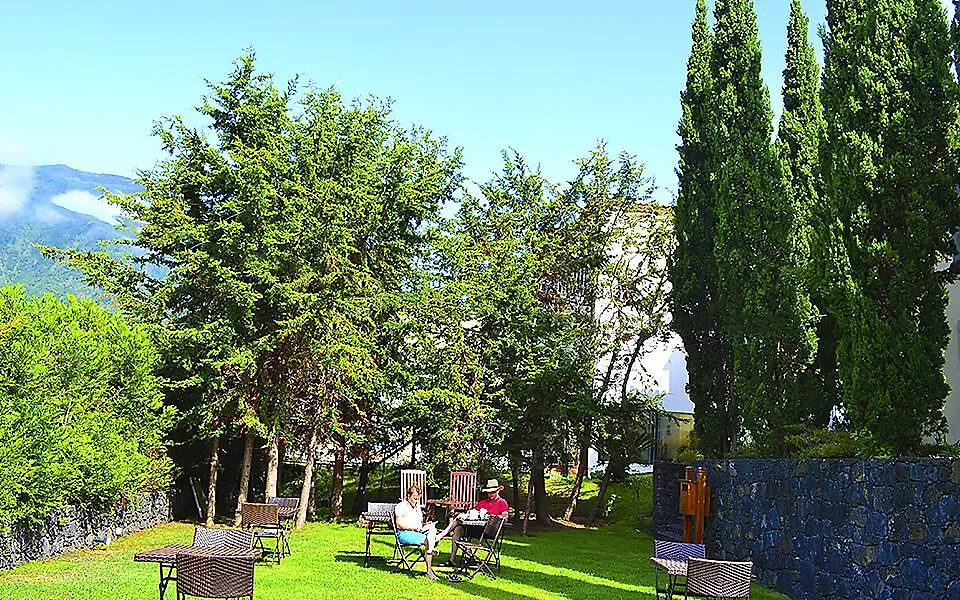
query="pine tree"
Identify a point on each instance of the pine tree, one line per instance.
(765, 311)
(799, 137)
(692, 267)
(890, 101)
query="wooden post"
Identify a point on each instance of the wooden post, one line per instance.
(701, 512)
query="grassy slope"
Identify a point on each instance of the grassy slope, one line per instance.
(610, 562)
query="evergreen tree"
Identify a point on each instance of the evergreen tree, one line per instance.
(765, 311)
(692, 268)
(799, 136)
(891, 101)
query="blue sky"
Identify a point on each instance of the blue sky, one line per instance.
(83, 81)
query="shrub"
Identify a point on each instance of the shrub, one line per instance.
(81, 412)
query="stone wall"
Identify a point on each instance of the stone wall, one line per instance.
(840, 529)
(71, 529)
(666, 501)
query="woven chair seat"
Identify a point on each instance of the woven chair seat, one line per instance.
(212, 576)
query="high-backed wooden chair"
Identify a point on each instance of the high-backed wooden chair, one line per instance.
(409, 477)
(463, 489)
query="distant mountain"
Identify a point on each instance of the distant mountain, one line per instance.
(52, 205)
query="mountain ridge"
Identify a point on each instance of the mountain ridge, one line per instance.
(40, 220)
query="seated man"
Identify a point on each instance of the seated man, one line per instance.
(493, 505)
(411, 528)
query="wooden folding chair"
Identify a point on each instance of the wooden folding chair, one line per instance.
(406, 552)
(487, 549)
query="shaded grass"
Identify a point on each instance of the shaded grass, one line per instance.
(327, 563)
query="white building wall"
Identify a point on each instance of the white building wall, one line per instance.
(951, 366)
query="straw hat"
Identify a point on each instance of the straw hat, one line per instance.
(492, 486)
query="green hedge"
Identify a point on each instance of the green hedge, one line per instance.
(81, 413)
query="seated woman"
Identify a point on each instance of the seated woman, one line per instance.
(493, 504)
(411, 528)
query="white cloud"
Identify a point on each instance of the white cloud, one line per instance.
(16, 183)
(86, 203)
(948, 6)
(45, 214)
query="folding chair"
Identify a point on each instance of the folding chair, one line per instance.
(485, 550)
(214, 576)
(288, 513)
(718, 579)
(206, 537)
(405, 552)
(674, 551)
(375, 525)
(264, 519)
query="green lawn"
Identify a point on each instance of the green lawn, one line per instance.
(327, 563)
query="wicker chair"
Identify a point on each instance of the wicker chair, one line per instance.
(288, 514)
(264, 519)
(674, 551)
(206, 537)
(214, 576)
(718, 579)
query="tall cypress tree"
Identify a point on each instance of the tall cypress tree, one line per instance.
(692, 267)
(765, 311)
(800, 134)
(890, 101)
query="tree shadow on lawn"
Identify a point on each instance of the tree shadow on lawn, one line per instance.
(572, 585)
(565, 585)
(621, 557)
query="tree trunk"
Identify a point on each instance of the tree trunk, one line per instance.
(601, 495)
(526, 513)
(273, 463)
(413, 451)
(306, 492)
(515, 475)
(312, 504)
(212, 488)
(244, 474)
(578, 482)
(281, 455)
(336, 487)
(540, 488)
(360, 500)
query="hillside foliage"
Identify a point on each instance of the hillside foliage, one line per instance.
(82, 418)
